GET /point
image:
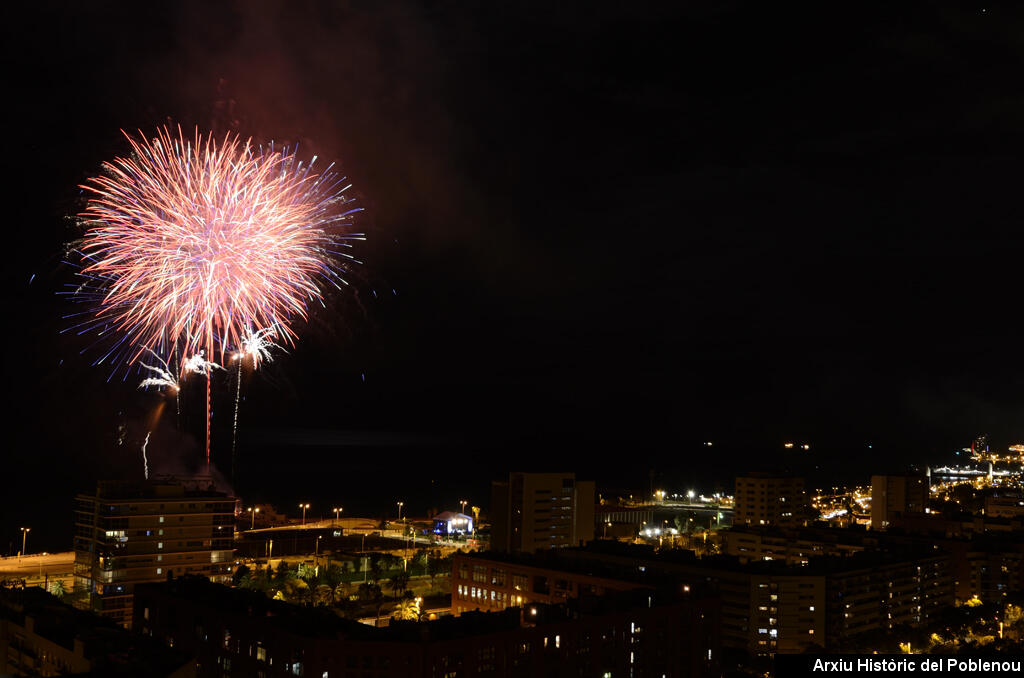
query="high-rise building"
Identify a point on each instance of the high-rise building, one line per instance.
(129, 533)
(768, 499)
(536, 511)
(893, 495)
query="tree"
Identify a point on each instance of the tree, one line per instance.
(341, 591)
(436, 566)
(367, 592)
(306, 572)
(297, 591)
(399, 582)
(376, 571)
(282, 574)
(372, 593)
(241, 573)
(408, 609)
(323, 595)
(332, 575)
(57, 588)
(389, 561)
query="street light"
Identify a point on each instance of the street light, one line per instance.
(303, 507)
(253, 511)
(400, 505)
(362, 552)
(463, 502)
(336, 512)
(24, 535)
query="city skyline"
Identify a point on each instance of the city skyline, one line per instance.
(627, 270)
(673, 271)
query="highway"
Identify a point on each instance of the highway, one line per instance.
(40, 568)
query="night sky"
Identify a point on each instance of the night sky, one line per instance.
(600, 234)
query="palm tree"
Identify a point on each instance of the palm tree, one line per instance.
(306, 572)
(372, 593)
(408, 609)
(297, 591)
(376, 571)
(399, 582)
(283, 574)
(341, 591)
(324, 595)
(57, 588)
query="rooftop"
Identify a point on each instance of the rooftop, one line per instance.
(320, 622)
(169, 488)
(112, 650)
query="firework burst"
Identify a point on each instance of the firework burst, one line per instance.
(191, 242)
(163, 379)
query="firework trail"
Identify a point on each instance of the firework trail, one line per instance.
(145, 462)
(164, 379)
(191, 241)
(198, 364)
(257, 345)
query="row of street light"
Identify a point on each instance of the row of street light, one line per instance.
(305, 506)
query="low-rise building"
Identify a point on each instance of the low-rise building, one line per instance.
(40, 636)
(235, 632)
(1004, 507)
(451, 523)
(496, 581)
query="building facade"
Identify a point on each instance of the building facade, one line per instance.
(793, 546)
(538, 511)
(234, 632)
(772, 607)
(488, 582)
(41, 636)
(771, 500)
(130, 533)
(897, 495)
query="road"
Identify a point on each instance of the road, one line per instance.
(38, 569)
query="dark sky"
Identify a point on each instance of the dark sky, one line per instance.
(611, 229)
